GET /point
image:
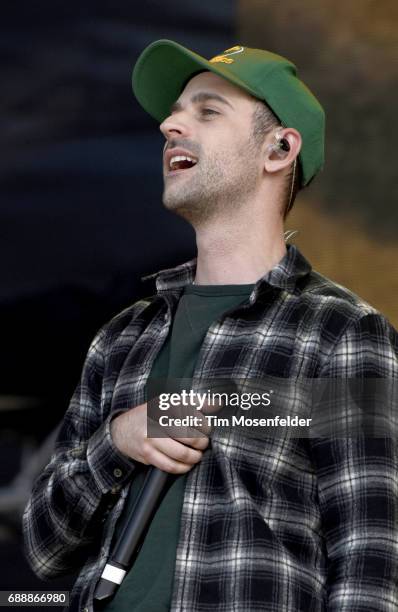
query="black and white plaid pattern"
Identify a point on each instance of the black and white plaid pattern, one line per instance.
(278, 525)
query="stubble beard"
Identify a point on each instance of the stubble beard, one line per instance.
(217, 187)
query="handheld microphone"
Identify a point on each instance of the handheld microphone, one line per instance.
(131, 534)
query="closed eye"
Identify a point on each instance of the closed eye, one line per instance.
(209, 111)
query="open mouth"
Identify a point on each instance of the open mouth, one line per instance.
(181, 162)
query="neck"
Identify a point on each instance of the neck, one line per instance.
(239, 249)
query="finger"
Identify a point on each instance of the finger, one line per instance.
(178, 451)
(214, 407)
(177, 432)
(199, 443)
(199, 429)
(167, 464)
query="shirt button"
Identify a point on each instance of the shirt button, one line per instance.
(85, 609)
(117, 472)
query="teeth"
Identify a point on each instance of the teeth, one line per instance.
(178, 158)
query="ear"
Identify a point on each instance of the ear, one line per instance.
(277, 158)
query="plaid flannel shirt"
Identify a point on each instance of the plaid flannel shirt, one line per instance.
(282, 525)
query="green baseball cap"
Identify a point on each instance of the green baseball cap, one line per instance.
(164, 67)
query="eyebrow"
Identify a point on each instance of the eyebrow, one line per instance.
(201, 96)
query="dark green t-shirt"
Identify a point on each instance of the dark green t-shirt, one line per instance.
(148, 585)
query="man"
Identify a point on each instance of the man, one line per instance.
(277, 524)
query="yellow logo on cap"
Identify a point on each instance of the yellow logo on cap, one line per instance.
(223, 58)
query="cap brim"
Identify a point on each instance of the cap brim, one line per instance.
(163, 69)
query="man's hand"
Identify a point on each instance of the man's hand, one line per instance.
(176, 456)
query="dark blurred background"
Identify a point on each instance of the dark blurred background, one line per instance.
(80, 211)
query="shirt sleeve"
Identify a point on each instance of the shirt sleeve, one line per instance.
(71, 498)
(358, 484)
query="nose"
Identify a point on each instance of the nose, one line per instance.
(174, 125)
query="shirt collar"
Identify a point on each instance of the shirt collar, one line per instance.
(284, 275)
